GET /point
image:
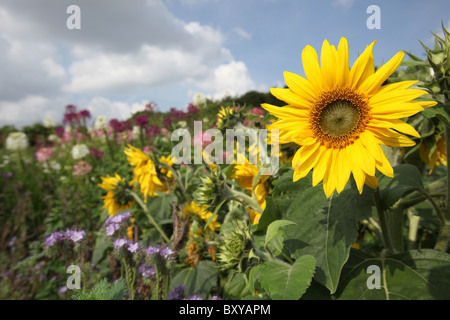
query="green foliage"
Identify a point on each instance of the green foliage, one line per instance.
(283, 281)
(414, 275)
(200, 279)
(103, 290)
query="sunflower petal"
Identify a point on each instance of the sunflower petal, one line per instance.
(361, 157)
(321, 167)
(359, 178)
(287, 111)
(371, 181)
(312, 68)
(395, 96)
(395, 110)
(384, 166)
(391, 138)
(395, 124)
(328, 57)
(329, 183)
(370, 144)
(305, 163)
(300, 86)
(343, 169)
(288, 96)
(342, 69)
(363, 67)
(374, 81)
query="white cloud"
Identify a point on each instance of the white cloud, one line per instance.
(113, 109)
(242, 33)
(53, 68)
(121, 49)
(18, 112)
(228, 79)
(118, 73)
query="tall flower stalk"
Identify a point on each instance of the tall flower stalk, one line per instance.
(439, 61)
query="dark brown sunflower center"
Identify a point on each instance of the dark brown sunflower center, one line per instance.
(339, 116)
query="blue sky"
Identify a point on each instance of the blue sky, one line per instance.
(130, 52)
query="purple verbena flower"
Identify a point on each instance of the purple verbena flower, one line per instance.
(75, 235)
(194, 297)
(118, 218)
(133, 247)
(177, 293)
(111, 229)
(54, 238)
(147, 271)
(152, 250)
(166, 252)
(119, 243)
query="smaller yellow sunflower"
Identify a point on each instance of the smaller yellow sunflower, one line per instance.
(117, 197)
(437, 157)
(193, 209)
(169, 161)
(245, 174)
(224, 112)
(144, 172)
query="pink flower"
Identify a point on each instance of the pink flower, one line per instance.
(257, 111)
(81, 168)
(202, 138)
(43, 154)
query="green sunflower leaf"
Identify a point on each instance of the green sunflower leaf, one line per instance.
(414, 275)
(325, 228)
(283, 281)
(439, 112)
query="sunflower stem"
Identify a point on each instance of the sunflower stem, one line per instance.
(149, 216)
(444, 232)
(383, 220)
(244, 199)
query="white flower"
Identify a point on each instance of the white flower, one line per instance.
(53, 137)
(101, 123)
(79, 151)
(199, 100)
(182, 124)
(52, 165)
(136, 132)
(16, 141)
(48, 122)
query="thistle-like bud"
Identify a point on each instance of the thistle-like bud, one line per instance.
(212, 190)
(439, 60)
(236, 248)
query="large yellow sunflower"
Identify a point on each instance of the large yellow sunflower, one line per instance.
(117, 198)
(144, 172)
(340, 116)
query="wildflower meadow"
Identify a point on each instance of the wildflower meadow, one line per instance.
(331, 187)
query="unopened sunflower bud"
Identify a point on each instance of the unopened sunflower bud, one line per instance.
(236, 248)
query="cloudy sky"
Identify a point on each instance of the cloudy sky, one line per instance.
(130, 52)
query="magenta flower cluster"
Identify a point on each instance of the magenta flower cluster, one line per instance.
(74, 117)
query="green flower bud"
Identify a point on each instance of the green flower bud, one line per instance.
(236, 248)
